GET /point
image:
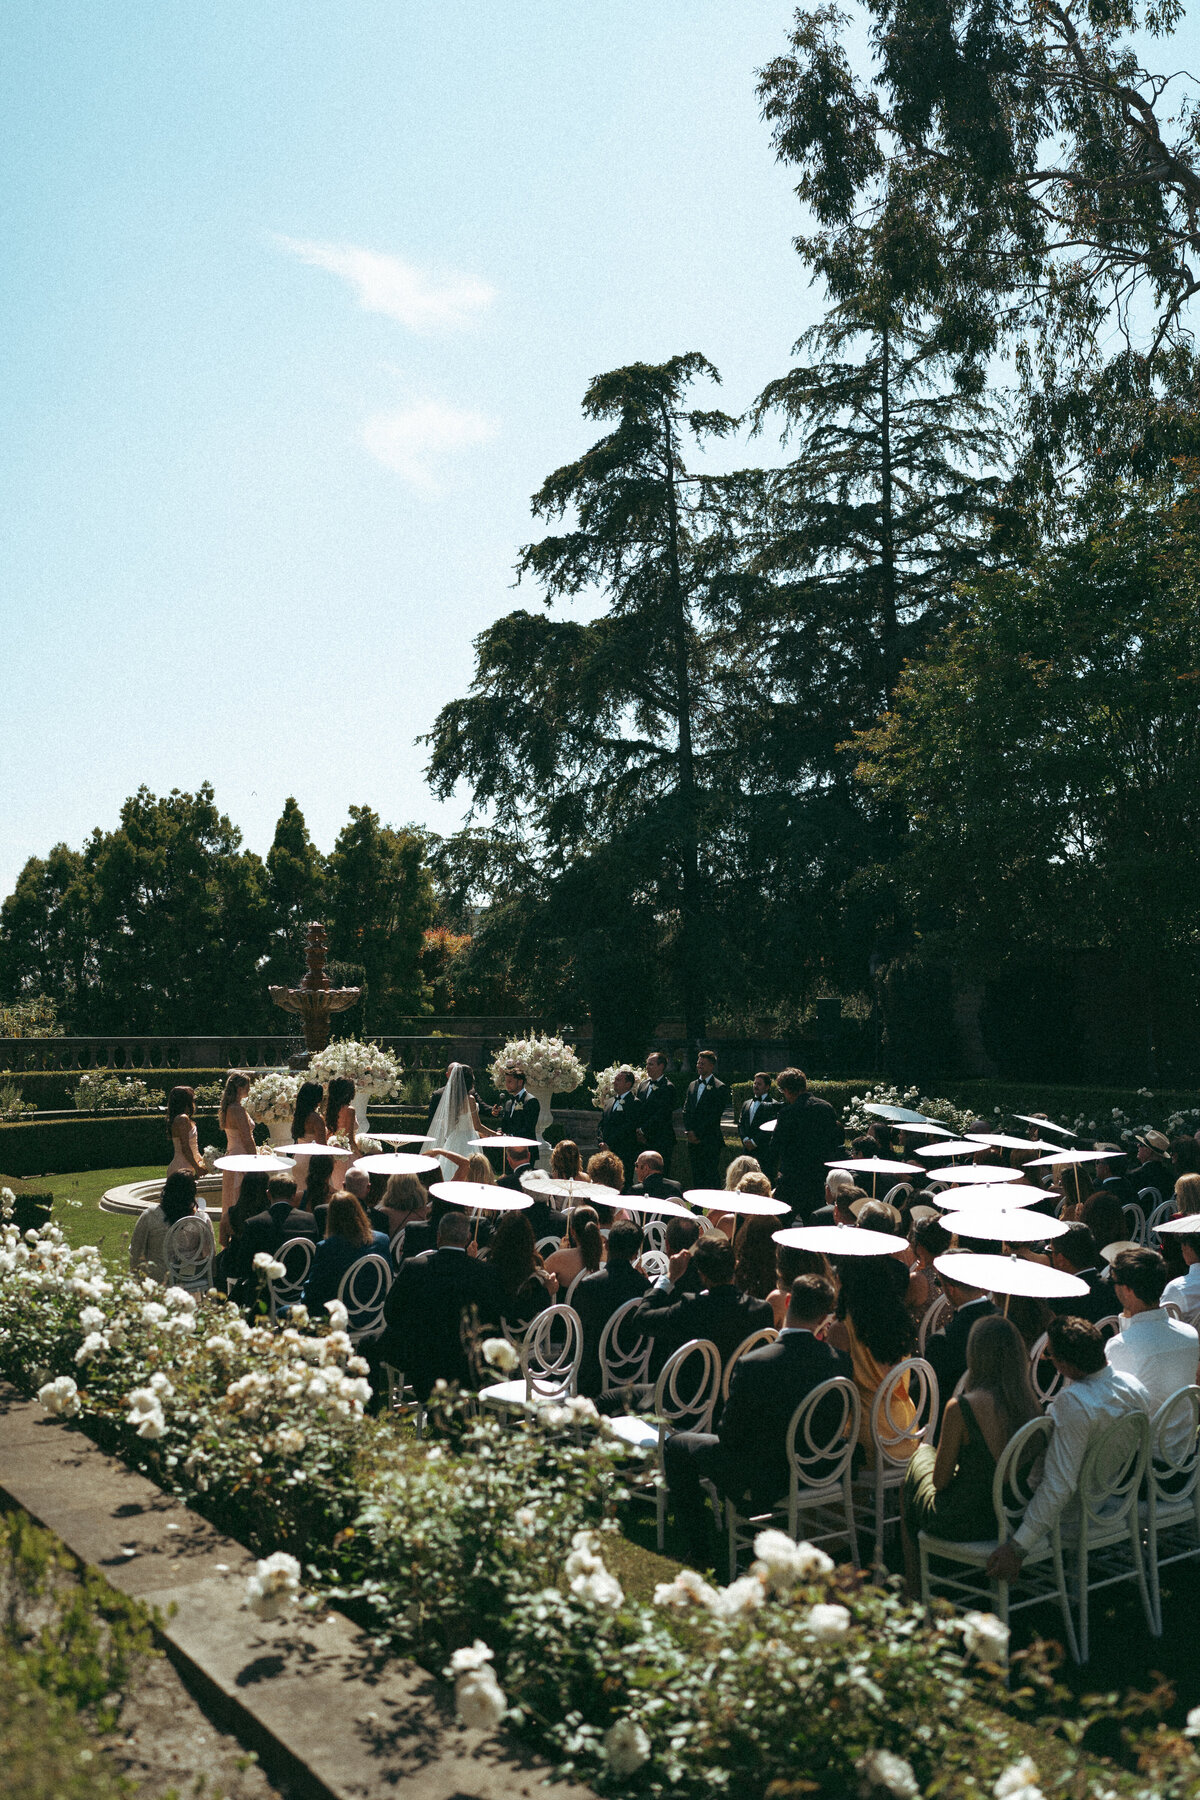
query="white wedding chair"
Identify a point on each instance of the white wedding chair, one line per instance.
(894, 1442)
(190, 1249)
(755, 1341)
(654, 1264)
(396, 1248)
(362, 1291)
(1043, 1375)
(1170, 1503)
(685, 1396)
(1135, 1218)
(574, 1283)
(1012, 1490)
(654, 1234)
(546, 1246)
(819, 1477)
(934, 1321)
(1157, 1216)
(1108, 1548)
(896, 1194)
(623, 1352)
(296, 1256)
(550, 1349)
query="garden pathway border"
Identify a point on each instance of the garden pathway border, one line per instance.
(325, 1714)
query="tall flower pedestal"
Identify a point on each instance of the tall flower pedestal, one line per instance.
(280, 1129)
(543, 1094)
(362, 1099)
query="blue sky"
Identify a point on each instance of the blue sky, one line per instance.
(299, 302)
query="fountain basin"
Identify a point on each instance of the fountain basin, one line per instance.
(139, 1196)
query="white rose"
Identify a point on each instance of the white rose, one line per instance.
(470, 1658)
(883, 1769)
(153, 1313)
(626, 1747)
(1192, 1724)
(339, 1318)
(91, 1318)
(501, 1354)
(828, 1622)
(93, 1345)
(479, 1701)
(60, 1397)
(986, 1637)
(740, 1596)
(598, 1589)
(1019, 1782)
(784, 1562)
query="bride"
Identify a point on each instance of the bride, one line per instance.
(456, 1120)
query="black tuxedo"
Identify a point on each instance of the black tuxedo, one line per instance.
(424, 1313)
(518, 1115)
(619, 1128)
(751, 1119)
(947, 1354)
(269, 1230)
(419, 1237)
(749, 1455)
(807, 1135)
(703, 1111)
(1098, 1303)
(724, 1315)
(657, 1187)
(656, 1118)
(596, 1300)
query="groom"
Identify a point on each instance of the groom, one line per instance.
(518, 1114)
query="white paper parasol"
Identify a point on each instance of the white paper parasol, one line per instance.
(876, 1165)
(722, 1200)
(956, 1147)
(535, 1182)
(645, 1205)
(397, 1164)
(603, 1196)
(840, 1240)
(396, 1138)
(1044, 1124)
(254, 1165)
(768, 1124)
(930, 1131)
(1186, 1226)
(1004, 1227)
(1009, 1275)
(498, 1142)
(1070, 1156)
(990, 1173)
(898, 1115)
(481, 1196)
(989, 1193)
(1002, 1142)
(297, 1150)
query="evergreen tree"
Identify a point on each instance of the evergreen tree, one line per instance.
(295, 887)
(44, 932)
(380, 902)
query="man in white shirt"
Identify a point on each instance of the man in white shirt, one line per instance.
(1159, 1351)
(1184, 1291)
(1093, 1397)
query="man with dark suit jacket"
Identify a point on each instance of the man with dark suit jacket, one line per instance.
(282, 1220)
(656, 1110)
(807, 1135)
(518, 1112)
(720, 1312)
(703, 1111)
(649, 1182)
(618, 1128)
(946, 1352)
(430, 1303)
(1075, 1253)
(598, 1296)
(748, 1453)
(755, 1113)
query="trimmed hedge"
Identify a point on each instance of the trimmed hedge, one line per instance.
(53, 1090)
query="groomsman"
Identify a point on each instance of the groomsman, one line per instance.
(754, 1115)
(518, 1112)
(656, 1110)
(619, 1122)
(807, 1136)
(703, 1111)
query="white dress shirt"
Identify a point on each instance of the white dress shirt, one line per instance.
(1158, 1351)
(1078, 1410)
(1185, 1292)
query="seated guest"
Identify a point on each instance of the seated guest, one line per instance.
(929, 1239)
(405, 1207)
(739, 1166)
(747, 1455)
(566, 1163)
(840, 1196)
(877, 1215)
(348, 1236)
(280, 1220)
(875, 1328)
(598, 1296)
(1159, 1351)
(649, 1182)
(1092, 1396)
(754, 1257)
(718, 1312)
(1075, 1253)
(948, 1492)
(946, 1351)
(434, 1299)
(790, 1263)
(233, 1266)
(318, 1187)
(545, 1220)
(525, 1287)
(607, 1170)
(148, 1245)
(1154, 1168)
(1101, 1213)
(1184, 1291)
(582, 1249)
(683, 1234)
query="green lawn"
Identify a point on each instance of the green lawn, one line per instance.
(77, 1207)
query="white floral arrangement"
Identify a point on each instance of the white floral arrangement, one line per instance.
(373, 1070)
(605, 1088)
(548, 1062)
(273, 1096)
(943, 1111)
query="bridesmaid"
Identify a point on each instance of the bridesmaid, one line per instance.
(308, 1127)
(181, 1123)
(238, 1127)
(341, 1119)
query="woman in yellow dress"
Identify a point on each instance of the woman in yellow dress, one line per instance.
(875, 1329)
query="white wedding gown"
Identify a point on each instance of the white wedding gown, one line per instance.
(452, 1126)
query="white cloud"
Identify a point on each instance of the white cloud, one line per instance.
(412, 439)
(387, 284)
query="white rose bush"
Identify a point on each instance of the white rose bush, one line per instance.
(548, 1062)
(492, 1552)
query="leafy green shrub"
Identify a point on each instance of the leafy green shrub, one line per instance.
(102, 1090)
(11, 1103)
(36, 1017)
